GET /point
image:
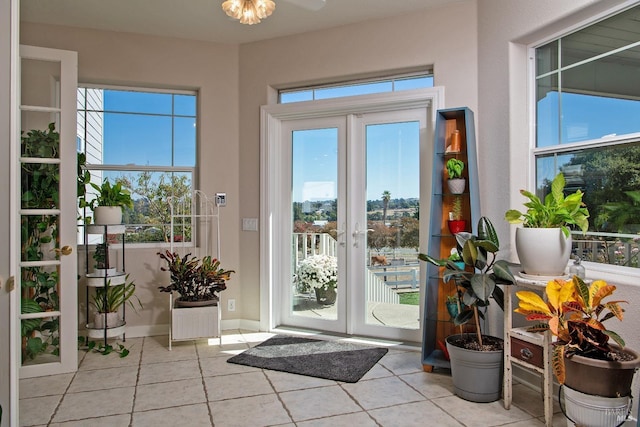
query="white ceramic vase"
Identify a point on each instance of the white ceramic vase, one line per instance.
(107, 215)
(543, 251)
(111, 318)
(457, 185)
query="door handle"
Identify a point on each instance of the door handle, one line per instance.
(339, 233)
(11, 283)
(65, 250)
(357, 233)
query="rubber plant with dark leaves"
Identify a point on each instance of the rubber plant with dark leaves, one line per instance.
(40, 183)
(194, 279)
(575, 313)
(478, 281)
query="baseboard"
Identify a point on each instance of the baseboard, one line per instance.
(163, 329)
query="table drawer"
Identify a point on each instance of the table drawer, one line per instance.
(527, 352)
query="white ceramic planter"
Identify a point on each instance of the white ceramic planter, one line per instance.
(587, 410)
(107, 215)
(113, 320)
(195, 322)
(457, 186)
(543, 251)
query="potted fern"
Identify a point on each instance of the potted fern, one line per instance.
(109, 202)
(476, 359)
(544, 242)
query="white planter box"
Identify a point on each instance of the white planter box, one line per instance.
(195, 322)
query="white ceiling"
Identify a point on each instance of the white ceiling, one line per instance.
(205, 19)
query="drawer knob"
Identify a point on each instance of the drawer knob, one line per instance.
(526, 354)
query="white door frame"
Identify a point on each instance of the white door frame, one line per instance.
(9, 60)
(271, 163)
(67, 211)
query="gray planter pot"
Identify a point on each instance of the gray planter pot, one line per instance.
(477, 375)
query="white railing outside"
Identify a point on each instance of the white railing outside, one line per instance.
(309, 244)
(378, 291)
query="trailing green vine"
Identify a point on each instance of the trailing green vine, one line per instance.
(85, 344)
(40, 184)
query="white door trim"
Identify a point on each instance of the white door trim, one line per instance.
(271, 167)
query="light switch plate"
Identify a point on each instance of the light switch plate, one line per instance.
(249, 224)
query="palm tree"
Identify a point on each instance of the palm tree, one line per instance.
(386, 196)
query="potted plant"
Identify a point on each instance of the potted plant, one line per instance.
(109, 202)
(456, 223)
(318, 273)
(584, 359)
(101, 258)
(195, 313)
(544, 242)
(196, 281)
(476, 359)
(108, 300)
(455, 181)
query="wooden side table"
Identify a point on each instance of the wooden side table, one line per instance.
(531, 350)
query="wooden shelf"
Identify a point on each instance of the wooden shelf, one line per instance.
(437, 322)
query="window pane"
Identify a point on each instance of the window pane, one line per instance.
(184, 105)
(149, 220)
(362, 89)
(612, 33)
(303, 95)
(185, 141)
(357, 88)
(137, 102)
(413, 83)
(547, 111)
(610, 180)
(547, 58)
(137, 139)
(597, 100)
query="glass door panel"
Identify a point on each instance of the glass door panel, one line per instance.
(393, 203)
(315, 214)
(314, 291)
(385, 196)
(47, 213)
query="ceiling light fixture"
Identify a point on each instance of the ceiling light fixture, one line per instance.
(249, 11)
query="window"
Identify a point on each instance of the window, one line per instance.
(147, 141)
(392, 84)
(587, 94)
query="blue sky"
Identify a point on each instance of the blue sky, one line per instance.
(392, 162)
(144, 139)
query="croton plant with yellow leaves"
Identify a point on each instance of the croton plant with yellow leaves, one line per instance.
(574, 312)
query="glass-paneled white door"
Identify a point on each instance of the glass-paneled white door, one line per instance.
(351, 202)
(46, 280)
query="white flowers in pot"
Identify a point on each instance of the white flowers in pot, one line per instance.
(317, 272)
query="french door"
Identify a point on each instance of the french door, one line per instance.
(349, 191)
(46, 267)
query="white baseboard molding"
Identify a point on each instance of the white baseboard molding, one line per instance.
(163, 329)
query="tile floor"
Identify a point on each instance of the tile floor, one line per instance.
(194, 385)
